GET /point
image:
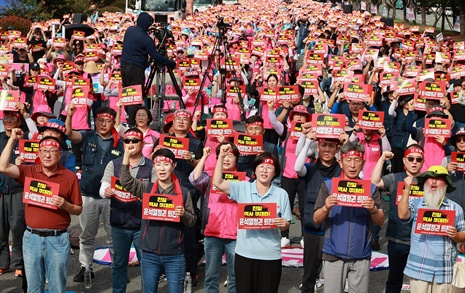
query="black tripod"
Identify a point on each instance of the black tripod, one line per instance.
(220, 40)
(159, 73)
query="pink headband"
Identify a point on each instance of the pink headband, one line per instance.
(254, 123)
(162, 159)
(56, 126)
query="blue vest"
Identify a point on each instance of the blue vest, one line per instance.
(458, 180)
(348, 235)
(94, 162)
(397, 228)
(128, 215)
(9, 185)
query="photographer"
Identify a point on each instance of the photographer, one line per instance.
(37, 42)
(137, 44)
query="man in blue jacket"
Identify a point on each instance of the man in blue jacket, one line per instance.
(136, 46)
(347, 244)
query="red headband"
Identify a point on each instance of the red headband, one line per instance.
(268, 161)
(414, 150)
(220, 109)
(162, 159)
(50, 142)
(105, 115)
(56, 126)
(254, 123)
(133, 133)
(182, 114)
(352, 153)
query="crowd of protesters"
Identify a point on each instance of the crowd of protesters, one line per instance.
(376, 105)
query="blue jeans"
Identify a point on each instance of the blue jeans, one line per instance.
(152, 267)
(46, 255)
(214, 249)
(122, 240)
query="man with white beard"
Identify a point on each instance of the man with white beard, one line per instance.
(431, 259)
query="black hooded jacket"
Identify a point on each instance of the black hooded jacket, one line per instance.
(137, 45)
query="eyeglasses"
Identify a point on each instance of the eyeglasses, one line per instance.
(102, 120)
(47, 152)
(134, 140)
(418, 159)
(264, 167)
(9, 118)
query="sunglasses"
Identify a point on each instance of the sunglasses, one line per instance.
(411, 159)
(460, 139)
(134, 140)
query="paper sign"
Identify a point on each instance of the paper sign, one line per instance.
(267, 93)
(131, 95)
(310, 86)
(190, 83)
(230, 176)
(415, 191)
(80, 95)
(350, 192)
(161, 207)
(412, 71)
(434, 222)
(232, 92)
(437, 126)
(288, 93)
(248, 144)
(28, 150)
(178, 145)
(457, 72)
(328, 125)
(120, 193)
(78, 35)
(80, 82)
(371, 120)
(40, 193)
(404, 86)
(219, 127)
(30, 81)
(459, 158)
(357, 92)
(454, 97)
(8, 100)
(256, 216)
(295, 130)
(432, 90)
(46, 83)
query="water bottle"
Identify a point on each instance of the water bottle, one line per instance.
(188, 283)
(87, 278)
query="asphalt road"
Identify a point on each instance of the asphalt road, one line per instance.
(290, 280)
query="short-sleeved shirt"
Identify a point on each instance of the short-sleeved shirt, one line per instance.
(45, 218)
(432, 257)
(260, 244)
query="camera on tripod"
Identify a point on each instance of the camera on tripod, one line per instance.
(222, 25)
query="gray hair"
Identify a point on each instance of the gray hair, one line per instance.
(352, 146)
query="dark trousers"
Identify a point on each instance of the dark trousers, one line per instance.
(293, 187)
(11, 220)
(313, 251)
(257, 276)
(398, 254)
(132, 75)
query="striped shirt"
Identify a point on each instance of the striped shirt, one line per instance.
(432, 257)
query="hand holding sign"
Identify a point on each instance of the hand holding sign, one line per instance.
(59, 202)
(330, 202)
(369, 204)
(180, 211)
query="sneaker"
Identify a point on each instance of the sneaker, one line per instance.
(79, 278)
(302, 242)
(3, 271)
(18, 273)
(375, 245)
(285, 241)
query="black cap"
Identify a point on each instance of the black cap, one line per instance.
(34, 66)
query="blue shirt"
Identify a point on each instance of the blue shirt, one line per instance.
(260, 244)
(432, 257)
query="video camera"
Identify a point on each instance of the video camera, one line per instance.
(221, 24)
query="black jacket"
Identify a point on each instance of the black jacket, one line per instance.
(137, 45)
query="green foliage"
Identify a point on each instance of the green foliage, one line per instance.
(112, 9)
(18, 23)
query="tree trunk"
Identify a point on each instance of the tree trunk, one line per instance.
(423, 16)
(462, 25)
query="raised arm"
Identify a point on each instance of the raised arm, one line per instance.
(218, 180)
(73, 136)
(403, 210)
(5, 166)
(377, 171)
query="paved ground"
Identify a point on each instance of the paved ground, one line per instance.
(290, 280)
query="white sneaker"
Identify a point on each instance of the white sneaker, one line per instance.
(302, 242)
(285, 241)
